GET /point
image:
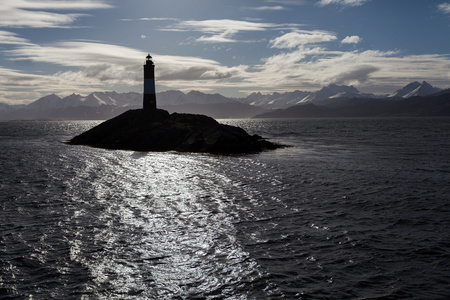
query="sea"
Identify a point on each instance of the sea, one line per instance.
(353, 209)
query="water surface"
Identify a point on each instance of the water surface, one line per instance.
(356, 208)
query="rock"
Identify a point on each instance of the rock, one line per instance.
(157, 130)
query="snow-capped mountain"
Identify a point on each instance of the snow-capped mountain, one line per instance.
(103, 105)
(335, 91)
(92, 100)
(405, 90)
(131, 99)
(275, 100)
(44, 103)
(202, 98)
(284, 100)
(415, 89)
(106, 98)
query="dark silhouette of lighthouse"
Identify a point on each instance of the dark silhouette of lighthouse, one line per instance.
(149, 84)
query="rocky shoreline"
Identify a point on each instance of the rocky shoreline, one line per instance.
(157, 130)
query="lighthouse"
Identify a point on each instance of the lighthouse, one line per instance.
(149, 84)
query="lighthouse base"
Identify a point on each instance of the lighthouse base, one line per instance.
(149, 101)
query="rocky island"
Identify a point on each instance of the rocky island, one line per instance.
(157, 130)
(153, 129)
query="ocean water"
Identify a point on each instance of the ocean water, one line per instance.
(355, 209)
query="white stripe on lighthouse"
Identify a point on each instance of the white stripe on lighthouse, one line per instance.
(149, 86)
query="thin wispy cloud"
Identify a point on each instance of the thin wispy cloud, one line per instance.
(342, 2)
(301, 37)
(219, 31)
(81, 53)
(99, 64)
(11, 38)
(444, 7)
(273, 8)
(287, 2)
(150, 19)
(55, 4)
(40, 14)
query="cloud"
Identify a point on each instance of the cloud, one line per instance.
(306, 67)
(75, 53)
(302, 60)
(35, 14)
(342, 2)
(217, 26)
(219, 31)
(40, 19)
(95, 66)
(25, 87)
(354, 39)
(301, 37)
(11, 38)
(287, 2)
(56, 4)
(274, 8)
(444, 7)
(150, 19)
(357, 75)
(287, 60)
(224, 37)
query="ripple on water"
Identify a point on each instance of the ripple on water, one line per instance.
(169, 227)
(355, 209)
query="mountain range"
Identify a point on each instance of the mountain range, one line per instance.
(332, 100)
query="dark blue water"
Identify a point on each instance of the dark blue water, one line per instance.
(356, 209)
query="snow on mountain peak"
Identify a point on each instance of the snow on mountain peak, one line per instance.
(415, 89)
(423, 90)
(44, 103)
(334, 91)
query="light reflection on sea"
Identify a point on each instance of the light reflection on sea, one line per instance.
(168, 226)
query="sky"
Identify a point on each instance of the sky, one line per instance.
(231, 47)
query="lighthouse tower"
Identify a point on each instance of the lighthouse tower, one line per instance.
(149, 84)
